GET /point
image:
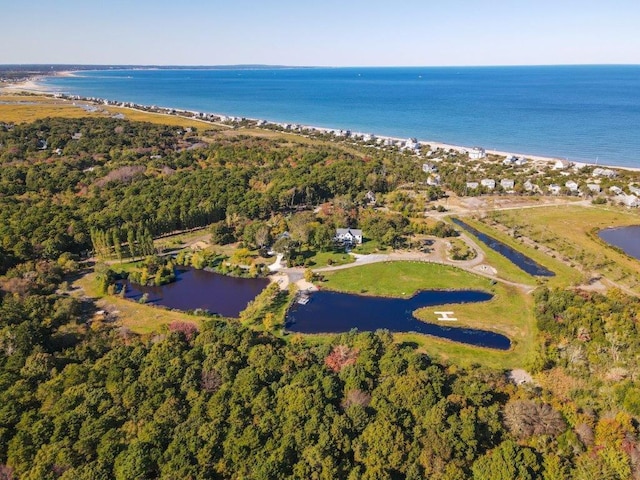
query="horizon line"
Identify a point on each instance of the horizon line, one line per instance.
(268, 65)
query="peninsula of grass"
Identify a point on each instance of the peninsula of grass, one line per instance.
(402, 279)
(509, 312)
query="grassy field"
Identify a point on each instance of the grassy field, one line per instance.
(565, 275)
(292, 139)
(572, 231)
(26, 108)
(140, 319)
(510, 312)
(322, 259)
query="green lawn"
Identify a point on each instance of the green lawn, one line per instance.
(510, 312)
(322, 259)
(401, 279)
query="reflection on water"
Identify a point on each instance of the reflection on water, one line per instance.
(518, 259)
(333, 312)
(625, 238)
(194, 288)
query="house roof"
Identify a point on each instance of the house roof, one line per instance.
(353, 231)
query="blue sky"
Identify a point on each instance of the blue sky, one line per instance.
(321, 32)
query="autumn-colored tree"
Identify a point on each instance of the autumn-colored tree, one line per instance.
(340, 357)
(356, 397)
(525, 418)
(187, 329)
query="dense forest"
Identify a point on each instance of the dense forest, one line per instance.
(64, 183)
(83, 400)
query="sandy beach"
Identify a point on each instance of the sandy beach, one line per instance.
(32, 86)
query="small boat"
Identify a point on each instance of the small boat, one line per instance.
(303, 299)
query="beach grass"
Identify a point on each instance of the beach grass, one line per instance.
(507, 270)
(26, 108)
(572, 232)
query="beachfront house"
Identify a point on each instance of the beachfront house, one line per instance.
(510, 160)
(348, 236)
(604, 172)
(411, 144)
(628, 200)
(488, 183)
(554, 189)
(561, 165)
(520, 161)
(634, 190)
(477, 153)
(507, 184)
(572, 186)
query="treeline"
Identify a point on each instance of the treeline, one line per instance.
(60, 178)
(134, 241)
(230, 402)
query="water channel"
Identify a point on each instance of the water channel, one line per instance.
(334, 312)
(518, 259)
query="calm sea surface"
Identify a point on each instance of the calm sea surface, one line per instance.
(583, 113)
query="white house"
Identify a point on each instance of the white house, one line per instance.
(616, 190)
(528, 186)
(489, 183)
(561, 165)
(411, 144)
(348, 236)
(507, 184)
(472, 185)
(476, 153)
(628, 200)
(604, 172)
(520, 161)
(434, 180)
(571, 185)
(429, 168)
(594, 187)
(634, 190)
(555, 189)
(370, 197)
(509, 160)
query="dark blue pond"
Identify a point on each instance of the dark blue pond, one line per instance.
(625, 238)
(518, 259)
(194, 288)
(333, 312)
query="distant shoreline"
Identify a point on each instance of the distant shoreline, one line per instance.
(32, 86)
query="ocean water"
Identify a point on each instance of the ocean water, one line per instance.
(582, 113)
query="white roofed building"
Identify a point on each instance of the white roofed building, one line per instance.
(489, 183)
(350, 236)
(477, 153)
